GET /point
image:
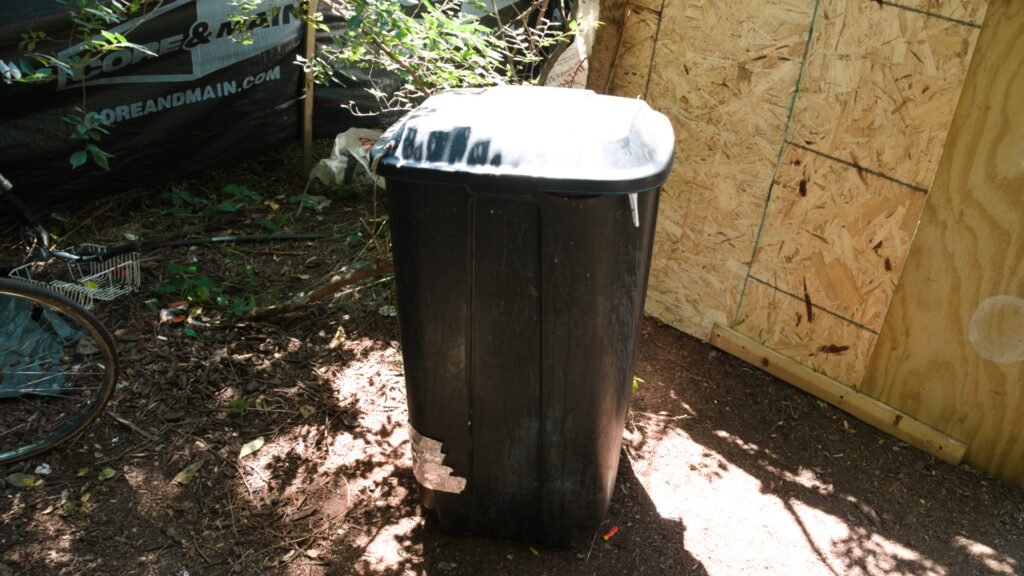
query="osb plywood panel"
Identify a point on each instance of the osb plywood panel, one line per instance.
(971, 11)
(951, 351)
(880, 85)
(806, 333)
(632, 63)
(724, 72)
(838, 233)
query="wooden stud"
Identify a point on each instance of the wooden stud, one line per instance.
(632, 62)
(861, 406)
(307, 103)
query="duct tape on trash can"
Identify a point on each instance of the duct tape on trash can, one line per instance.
(426, 465)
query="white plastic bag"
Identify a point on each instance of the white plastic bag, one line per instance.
(357, 142)
(570, 68)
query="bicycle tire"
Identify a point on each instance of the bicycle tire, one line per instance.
(58, 369)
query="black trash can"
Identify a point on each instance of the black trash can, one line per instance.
(522, 220)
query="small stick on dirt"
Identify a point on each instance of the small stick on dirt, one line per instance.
(300, 515)
(354, 274)
(373, 236)
(201, 553)
(592, 540)
(241, 476)
(129, 424)
(291, 543)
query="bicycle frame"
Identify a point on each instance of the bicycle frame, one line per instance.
(42, 236)
(97, 272)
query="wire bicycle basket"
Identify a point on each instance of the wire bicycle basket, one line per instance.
(91, 280)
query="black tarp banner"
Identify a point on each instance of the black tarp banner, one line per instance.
(204, 100)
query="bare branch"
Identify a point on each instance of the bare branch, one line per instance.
(357, 273)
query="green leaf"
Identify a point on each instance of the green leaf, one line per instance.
(78, 158)
(240, 192)
(238, 407)
(106, 474)
(187, 473)
(250, 447)
(98, 156)
(21, 480)
(240, 306)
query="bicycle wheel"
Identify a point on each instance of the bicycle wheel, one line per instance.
(58, 368)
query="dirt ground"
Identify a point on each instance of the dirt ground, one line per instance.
(724, 469)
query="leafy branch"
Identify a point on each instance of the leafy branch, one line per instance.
(93, 22)
(433, 47)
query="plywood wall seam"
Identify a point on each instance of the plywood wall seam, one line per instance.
(857, 167)
(930, 14)
(778, 160)
(654, 48)
(814, 305)
(618, 50)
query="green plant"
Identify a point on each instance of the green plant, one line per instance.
(89, 128)
(230, 198)
(275, 222)
(238, 407)
(427, 47)
(181, 201)
(636, 383)
(234, 196)
(435, 47)
(186, 282)
(93, 29)
(248, 15)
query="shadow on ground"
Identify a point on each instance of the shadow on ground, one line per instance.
(767, 465)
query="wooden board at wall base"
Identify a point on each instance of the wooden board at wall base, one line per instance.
(861, 406)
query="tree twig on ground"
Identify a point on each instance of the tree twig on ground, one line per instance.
(351, 275)
(131, 425)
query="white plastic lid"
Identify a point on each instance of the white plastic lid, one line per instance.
(560, 139)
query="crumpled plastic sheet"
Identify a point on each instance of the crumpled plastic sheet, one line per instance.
(35, 339)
